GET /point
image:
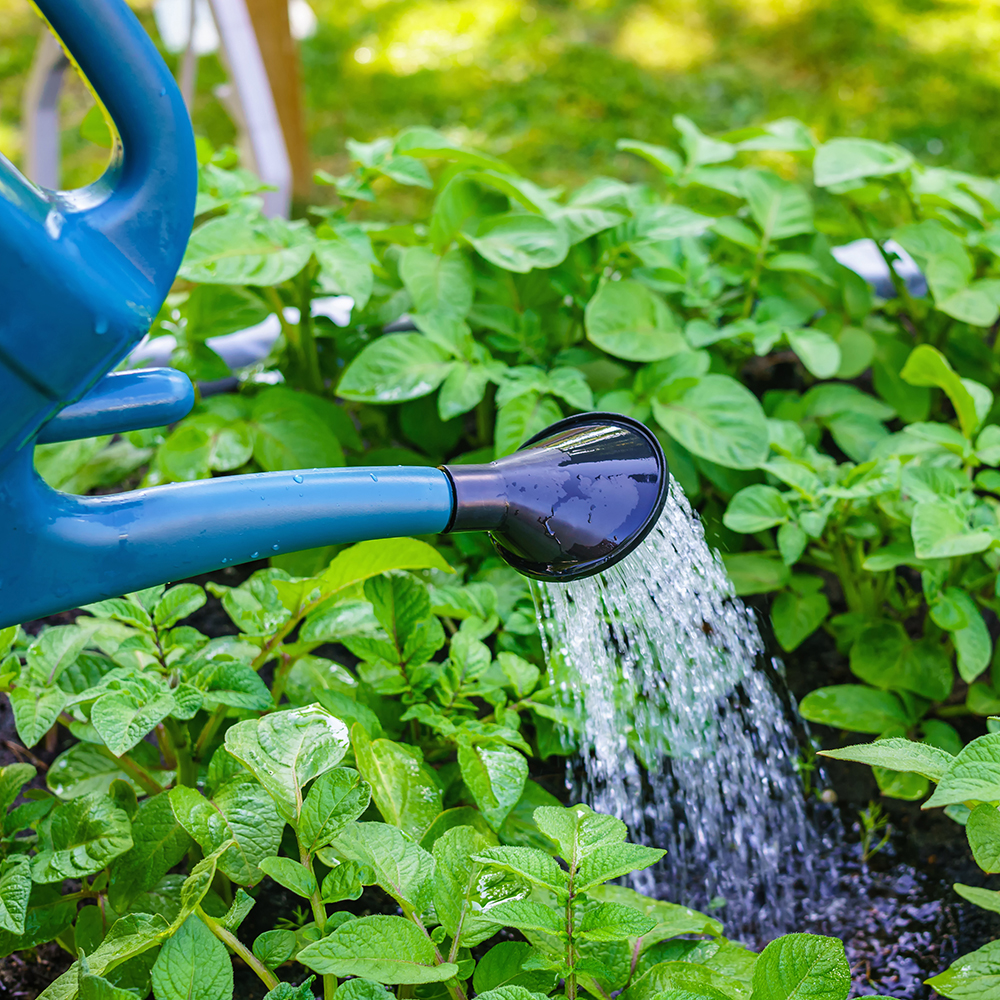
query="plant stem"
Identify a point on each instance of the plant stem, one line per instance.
(281, 677)
(307, 342)
(570, 950)
(456, 992)
(209, 730)
(231, 941)
(135, 771)
(318, 908)
(180, 740)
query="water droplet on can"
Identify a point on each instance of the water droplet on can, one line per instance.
(275, 547)
(374, 477)
(297, 479)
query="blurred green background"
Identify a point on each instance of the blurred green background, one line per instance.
(550, 84)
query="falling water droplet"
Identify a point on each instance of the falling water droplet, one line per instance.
(297, 478)
(680, 722)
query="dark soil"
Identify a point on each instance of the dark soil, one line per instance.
(898, 915)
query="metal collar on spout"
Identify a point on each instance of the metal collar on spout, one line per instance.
(572, 501)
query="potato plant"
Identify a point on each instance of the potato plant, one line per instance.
(192, 780)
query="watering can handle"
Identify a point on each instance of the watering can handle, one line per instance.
(153, 177)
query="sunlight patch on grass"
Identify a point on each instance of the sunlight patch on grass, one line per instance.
(657, 40)
(441, 34)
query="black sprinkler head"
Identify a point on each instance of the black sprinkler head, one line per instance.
(571, 501)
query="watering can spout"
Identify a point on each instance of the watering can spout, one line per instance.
(572, 502)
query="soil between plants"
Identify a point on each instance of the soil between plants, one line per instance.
(897, 914)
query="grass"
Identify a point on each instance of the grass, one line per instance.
(550, 85)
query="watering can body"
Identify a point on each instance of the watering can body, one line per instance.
(84, 272)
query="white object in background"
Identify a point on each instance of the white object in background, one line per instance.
(252, 91)
(40, 112)
(173, 22)
(302, 19)
(863, 258)
(244, 347)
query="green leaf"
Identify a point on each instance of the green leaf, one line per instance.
(503, 967)
(941, 530)
(526, 915)
(401, 786)
(973, 644)
(614, 922)
(240, 820)
(401, 867)
(129, 936)
(974, 776)
(983, 831)
(237, 250)
(344, 882)
(438, 284)
(718, 419)
(344, 270)
(385, 949)
(798, 966)
(841, 160)
(495, 774)
(755, 572)
(290, 433)
(98, 988)
(274, 948)
(35, 711)
(291, 874)
(464, 387)
(756, 508)
(520, 242)
(124, 718)
(193, 964)
(671, 919)
(700, 148)
(975, 976)
(159, 843)
(286, 750)
(13, 778)
(334, 800)
(987, 899)
(521, 418)
(898, 754)
(579, 831)
(818, 351)
(629, 321)
(457, 884)
(395, 368)
(613, 861)
(779, 207)
(927, 366)
(367, 559)
(15, 888)
(796, 614)
(233, 683)
(884, 655)
(854, 707)
(85, 835)
(665, 160)
(286, 991)
(177, 603)
(529, 863)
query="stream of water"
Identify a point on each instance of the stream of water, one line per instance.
(685, 738)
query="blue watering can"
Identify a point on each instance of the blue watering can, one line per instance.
(83, 273)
